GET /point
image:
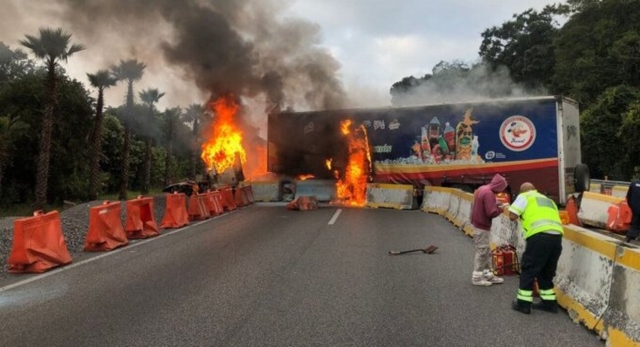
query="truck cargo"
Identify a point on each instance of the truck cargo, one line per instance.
(462, 145)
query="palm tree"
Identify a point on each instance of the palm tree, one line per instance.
(52, 46)
(130, 70)
(171, 119)
(149, 97)
(101, 80)
(193, 114)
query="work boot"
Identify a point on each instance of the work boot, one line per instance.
(546, 305)
(478, 279)
(489, 276)
(521, 306)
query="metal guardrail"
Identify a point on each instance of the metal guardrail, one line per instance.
(609, 183)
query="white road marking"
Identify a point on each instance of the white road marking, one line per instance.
(115, 251)
(335, 216)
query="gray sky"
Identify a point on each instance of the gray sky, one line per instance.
(380, 42)
(376, 43)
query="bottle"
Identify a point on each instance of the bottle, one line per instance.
(424, 139)
(450, 137)
(443, 145)
(474, 147)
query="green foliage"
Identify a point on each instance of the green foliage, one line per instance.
(524, 45)
(600, 126)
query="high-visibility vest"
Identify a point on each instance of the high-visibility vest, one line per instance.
(540, 215)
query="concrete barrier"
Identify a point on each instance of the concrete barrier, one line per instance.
(598, 277)
(454, 205)
(436, 200)
(266, 191)
(323, 190)
(464, 212)
(594, 209)
(397, 196)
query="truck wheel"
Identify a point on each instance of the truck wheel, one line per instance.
(582, 177)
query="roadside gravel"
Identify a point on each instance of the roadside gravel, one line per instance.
(75, 224)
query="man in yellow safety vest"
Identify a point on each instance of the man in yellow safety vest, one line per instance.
(543, 232)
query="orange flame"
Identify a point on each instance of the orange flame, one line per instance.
(327, 163)
(352, 188)
(305, 177)
(220, 150)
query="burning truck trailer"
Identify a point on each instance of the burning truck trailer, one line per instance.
(461, 145)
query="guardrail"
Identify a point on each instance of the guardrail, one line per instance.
(615, 188)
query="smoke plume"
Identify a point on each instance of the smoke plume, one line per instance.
(458, 82)
(243, 47)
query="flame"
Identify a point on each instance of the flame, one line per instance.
(220, 150)
(328, 163)
(352, 188)
(305, 177)
(256, 161)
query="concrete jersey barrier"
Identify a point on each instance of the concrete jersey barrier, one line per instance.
(597, 280)
(397, 196)
(265, 191)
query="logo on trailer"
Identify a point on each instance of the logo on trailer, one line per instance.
(517, 133)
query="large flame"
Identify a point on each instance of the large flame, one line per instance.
(351, 189)
(220, 150)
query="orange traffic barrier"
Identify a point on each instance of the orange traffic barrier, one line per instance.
(38, 244)
(228, 202)
(141, 223)
(175, 215)
(240, 197)
(217, 197)
(619, 219)
(215, 207)
(572, 211)
(105, 228)
(198, 209)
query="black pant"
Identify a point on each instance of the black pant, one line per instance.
(634, 230)
(540, 260)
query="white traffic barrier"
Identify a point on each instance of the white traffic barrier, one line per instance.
(436, 199)
(464, 212)
(597, 280)
(594, 209)
(323, 190)
(397, 196)
(505, 231)
(584, 276)
(619, 191)
(454, 205)
(265, 191)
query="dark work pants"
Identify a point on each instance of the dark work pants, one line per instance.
(634, 230)
(540, 260)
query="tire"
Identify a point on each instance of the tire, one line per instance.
(582, 178)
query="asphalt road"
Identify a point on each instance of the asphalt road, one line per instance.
(266, 276)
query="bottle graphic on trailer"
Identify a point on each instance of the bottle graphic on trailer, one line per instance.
(443, 145)
(474, 147)
(450, 137)
(426, 147)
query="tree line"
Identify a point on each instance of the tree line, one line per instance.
(59, 142)
(588, 50)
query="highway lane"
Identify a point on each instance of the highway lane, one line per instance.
(266, 276)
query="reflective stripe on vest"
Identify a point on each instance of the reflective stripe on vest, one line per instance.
(540, 215)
